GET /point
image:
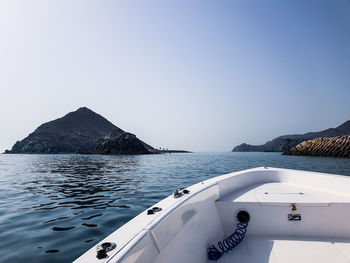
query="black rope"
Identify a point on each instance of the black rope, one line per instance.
(228, 243)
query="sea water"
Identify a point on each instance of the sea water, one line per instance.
(55, 207)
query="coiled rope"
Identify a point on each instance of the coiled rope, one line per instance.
(228, 243)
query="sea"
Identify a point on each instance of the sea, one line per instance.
(55, 207)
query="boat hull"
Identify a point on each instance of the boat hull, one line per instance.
(286, 207)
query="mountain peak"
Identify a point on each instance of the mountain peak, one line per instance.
(84, 109)
(76, 132)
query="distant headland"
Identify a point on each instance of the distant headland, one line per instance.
(286, 142)
(85, 132)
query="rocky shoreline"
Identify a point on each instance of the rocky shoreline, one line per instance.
(286, 142)
(325, 147)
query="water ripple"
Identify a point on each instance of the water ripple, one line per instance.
(62, 228)
(90, 217)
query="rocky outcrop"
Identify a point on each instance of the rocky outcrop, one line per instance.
(81, 131)
(121, 143)
(286, 142)
(329, 147)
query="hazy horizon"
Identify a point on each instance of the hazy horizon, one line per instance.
(193, 75)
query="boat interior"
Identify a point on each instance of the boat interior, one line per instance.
(283, 216)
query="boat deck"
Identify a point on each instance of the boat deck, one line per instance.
(323, 214)
(263, 249)
(294, 216)
(286, 193)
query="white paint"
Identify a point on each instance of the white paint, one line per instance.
(186, 226)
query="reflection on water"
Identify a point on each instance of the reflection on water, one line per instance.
(86, 181)
(65, 193)
(55, 207)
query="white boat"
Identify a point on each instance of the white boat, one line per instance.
(293, 216)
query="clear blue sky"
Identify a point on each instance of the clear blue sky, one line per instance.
(197, 75)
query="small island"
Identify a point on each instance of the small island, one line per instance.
(82, 132)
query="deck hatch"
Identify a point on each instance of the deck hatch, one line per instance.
(286, 198)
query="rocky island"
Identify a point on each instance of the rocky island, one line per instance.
(286, 142)
(327, 147)
(82, 131)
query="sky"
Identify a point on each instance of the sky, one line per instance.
(195, 75)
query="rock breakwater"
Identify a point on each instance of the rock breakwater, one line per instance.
(328, 147)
